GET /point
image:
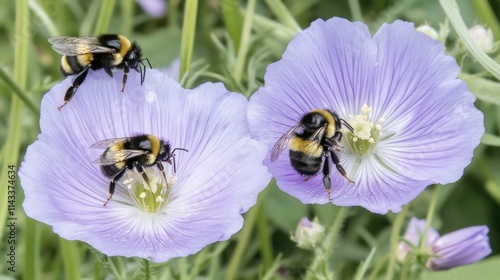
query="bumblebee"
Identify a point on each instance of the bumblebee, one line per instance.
(107, 51)
(137, 152)
(312, 141)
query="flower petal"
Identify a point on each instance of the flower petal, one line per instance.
(430, 126)
(218, 178)
(460, 247)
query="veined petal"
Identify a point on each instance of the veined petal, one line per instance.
(420, 119)
(219, 176)
(460, 247)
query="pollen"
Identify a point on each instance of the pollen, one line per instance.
(363, 139)
(151, 196)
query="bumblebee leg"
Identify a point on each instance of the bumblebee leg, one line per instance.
(109, 72)
(112, 184)
(160, 166)
(74, 87)
(126, 69)
(326, 176)
(336, 161)
(140, 169)
(339, 135)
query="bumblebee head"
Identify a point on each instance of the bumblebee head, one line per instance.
(134, 56)
(313, 120)
(164, 154)
(135, 61)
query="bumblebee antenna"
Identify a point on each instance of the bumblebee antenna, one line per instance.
(171, 158)
(347, 125)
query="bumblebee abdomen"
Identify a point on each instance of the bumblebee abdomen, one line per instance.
(71, 65)
(306, 146)
(112, 169)
(305, 164)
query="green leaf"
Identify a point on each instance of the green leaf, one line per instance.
(484, 89)
(188, 32)
(233, 19)
(491, 140)
(104, 18)
(363, 266)
(450, 7)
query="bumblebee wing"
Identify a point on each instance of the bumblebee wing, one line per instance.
(111, 157)
(282, 143)
(106, 143)
(318, 135)
(67, 45)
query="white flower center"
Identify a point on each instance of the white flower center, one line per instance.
(150, 197)
(366, 134)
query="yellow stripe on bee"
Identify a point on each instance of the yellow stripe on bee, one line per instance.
(117, 147)
(330, 129)
(155, 144)
(120, 164)
(308, 147)
(65, 65)
(85, 59)
(124, 46)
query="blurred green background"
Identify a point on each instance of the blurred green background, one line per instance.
(41, 254)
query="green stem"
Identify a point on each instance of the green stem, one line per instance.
(44, 17)
(173, 14)
(31, 252)
(356, 12)
(486, 15)
(104, 17)
(430, 215)
(19, 92)
(406, 266)
(13, 133)
(127, 17)
(146, 268)
(71, 259)
(233, 21)
(245, 41)
(97, 268)
(279, 31)
(266, 250)
(188, 32)
(325, 250)
(395, 236)
(244, 238)
(283, 14)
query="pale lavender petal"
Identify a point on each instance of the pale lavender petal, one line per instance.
(460, 247)
(156, 8)
(218, 179)
(431, 126)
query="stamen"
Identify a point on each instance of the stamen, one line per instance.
(364, 138)
(150, 197)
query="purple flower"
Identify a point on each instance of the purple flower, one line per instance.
(215, 182)
(461, 247)
(414, 122)
(155, 8)
(413, 235)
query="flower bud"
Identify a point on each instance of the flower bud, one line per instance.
(483, 38)
(308, 234)
(454, 249)
(460, 247)
(427, 29)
